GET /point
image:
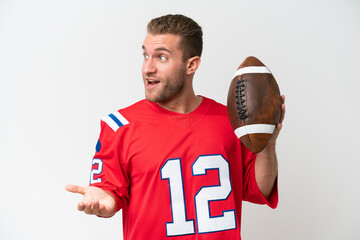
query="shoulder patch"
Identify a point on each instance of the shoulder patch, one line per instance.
(115, 120)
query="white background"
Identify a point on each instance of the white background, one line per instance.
(64, 64)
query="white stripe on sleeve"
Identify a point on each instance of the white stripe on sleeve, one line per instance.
(111, 123)
(120, 117)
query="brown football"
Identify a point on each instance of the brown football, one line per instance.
(254, 104)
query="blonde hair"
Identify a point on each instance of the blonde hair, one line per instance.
(190, 32)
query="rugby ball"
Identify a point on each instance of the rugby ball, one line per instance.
(254, 104)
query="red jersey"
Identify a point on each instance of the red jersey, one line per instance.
(176, 176)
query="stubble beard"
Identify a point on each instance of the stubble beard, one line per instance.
(170, 90)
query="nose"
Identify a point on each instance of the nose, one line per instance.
(149, 66)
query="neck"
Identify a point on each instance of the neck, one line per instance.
(183, 104)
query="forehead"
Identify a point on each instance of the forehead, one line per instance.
(161, 41)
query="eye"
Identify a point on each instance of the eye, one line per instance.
(145, 56)
(162, 58)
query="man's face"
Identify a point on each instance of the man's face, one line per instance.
(163, 68)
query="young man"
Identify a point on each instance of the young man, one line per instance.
(172, 162)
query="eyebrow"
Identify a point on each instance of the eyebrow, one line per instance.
(158, 49)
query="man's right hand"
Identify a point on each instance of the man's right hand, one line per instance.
(95, 201)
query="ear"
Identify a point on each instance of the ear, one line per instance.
(192, 65)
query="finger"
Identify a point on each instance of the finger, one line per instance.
(282, 116)
(103, 211)
(276, 131)
(81, 206)
(95, 208)
(278, 128)
(75, 189)
(88, 207)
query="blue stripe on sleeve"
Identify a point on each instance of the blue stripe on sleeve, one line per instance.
(116, 120)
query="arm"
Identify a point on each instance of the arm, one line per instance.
(266, 164)
(109, 179)
(95, 201)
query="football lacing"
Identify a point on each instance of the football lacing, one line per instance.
(239, 95)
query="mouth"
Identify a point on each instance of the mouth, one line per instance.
(151, 83)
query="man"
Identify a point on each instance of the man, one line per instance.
(172, 162)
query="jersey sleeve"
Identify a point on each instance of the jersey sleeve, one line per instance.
(252, 192)
(109, 170)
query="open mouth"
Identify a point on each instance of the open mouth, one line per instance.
(150, 83)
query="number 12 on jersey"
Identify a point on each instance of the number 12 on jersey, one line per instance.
(206, 223)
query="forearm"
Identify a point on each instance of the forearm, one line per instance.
(266, 163)
(266, 170)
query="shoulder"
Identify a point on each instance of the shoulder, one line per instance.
(139, 112)
(217, 115)
(114, 120)
(215, 106)
(125, 116)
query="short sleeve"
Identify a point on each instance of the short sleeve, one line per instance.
(109, 170)
(252, 192)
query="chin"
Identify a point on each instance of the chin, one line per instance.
(151, 98)
(157, 98)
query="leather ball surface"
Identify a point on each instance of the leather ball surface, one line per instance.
(254, 104)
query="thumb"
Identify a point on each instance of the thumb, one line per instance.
(76, 189)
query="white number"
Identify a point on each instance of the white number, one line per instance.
(96, 171)
(179, 226)
(206, 223)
